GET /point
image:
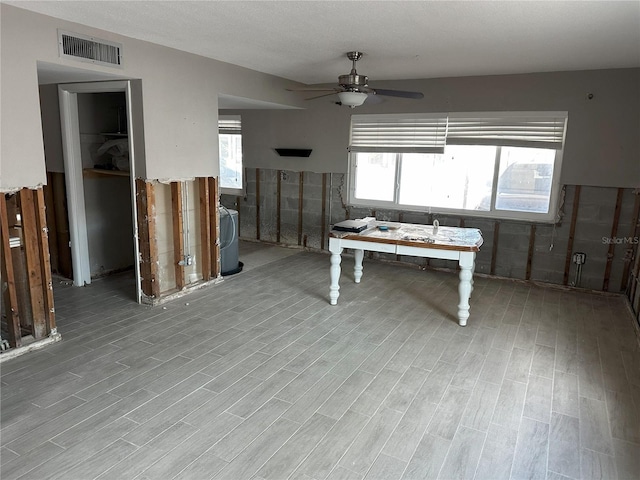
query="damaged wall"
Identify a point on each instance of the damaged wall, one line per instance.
(512, 249)
(601, 155)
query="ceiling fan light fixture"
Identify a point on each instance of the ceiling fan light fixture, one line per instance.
(352, 99)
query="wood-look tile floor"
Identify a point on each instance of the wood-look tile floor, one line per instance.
(260, 378)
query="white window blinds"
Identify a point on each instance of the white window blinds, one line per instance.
(509, 129)
(420, 133)
(229, 124)
(398, 133)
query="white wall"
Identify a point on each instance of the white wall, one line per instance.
(180, 92)
(603, 134)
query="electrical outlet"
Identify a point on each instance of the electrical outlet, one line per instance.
(186, 261)
(579, 258)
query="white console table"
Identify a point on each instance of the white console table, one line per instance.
(449, 243)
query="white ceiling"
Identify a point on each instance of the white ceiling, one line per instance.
(306, 40)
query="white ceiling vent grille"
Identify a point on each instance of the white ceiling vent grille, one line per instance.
(89, 49)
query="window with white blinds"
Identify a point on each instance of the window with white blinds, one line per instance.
(492, 164)
(398, 133)
(430, 133)
(231, 124)
(230, 153)
(534, 130)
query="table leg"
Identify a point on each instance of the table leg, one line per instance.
(334, 289)
(473, 271)
(357, 268)
(465, 287)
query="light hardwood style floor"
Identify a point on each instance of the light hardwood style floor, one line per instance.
(260, 378)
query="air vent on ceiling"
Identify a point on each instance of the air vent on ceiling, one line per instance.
(89, 49)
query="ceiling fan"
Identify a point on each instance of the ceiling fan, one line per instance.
(353, 89)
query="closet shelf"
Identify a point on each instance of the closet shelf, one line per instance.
(114, 134)
(99, 172)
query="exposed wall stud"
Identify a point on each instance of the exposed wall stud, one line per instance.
(494, 248)
(50, 212)
(214, 225)
(65, 266)
(178, 238)
(45, 263)
(13, 315)
(572, 234)
(300, 206)
(32, 256)
(632, 246)
(205, 228)
(278, 205)
(532, 245)
(612, 245)
(257, 204)
(147, 242)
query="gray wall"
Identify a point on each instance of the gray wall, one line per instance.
(602, 145)
(180, 98)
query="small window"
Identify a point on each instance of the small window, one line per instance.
(230, 141)
(504, 165)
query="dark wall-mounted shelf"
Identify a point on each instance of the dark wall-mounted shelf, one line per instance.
(293, 152)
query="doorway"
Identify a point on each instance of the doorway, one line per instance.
(99, 126)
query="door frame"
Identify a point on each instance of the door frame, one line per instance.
(70, 129)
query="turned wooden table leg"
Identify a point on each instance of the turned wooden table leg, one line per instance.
(357, 268)
(334, 289)
(465, 287)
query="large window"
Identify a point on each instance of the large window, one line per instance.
(230, 140)
(503, 165)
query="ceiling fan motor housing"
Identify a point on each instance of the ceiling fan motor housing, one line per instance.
(353, 81)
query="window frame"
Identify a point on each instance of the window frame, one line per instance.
(221, 131)
(552, 216)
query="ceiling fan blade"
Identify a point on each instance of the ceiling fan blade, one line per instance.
(373, 100)
(334, 89)
(398, 93)
(320, 96)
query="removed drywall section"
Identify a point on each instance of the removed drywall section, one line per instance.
(518, 250)
(193, 245)
(148, 241)
(246, 206)
(24, 258)
(178, 236)
(164, 232)
(593, 234)
(314, 209)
